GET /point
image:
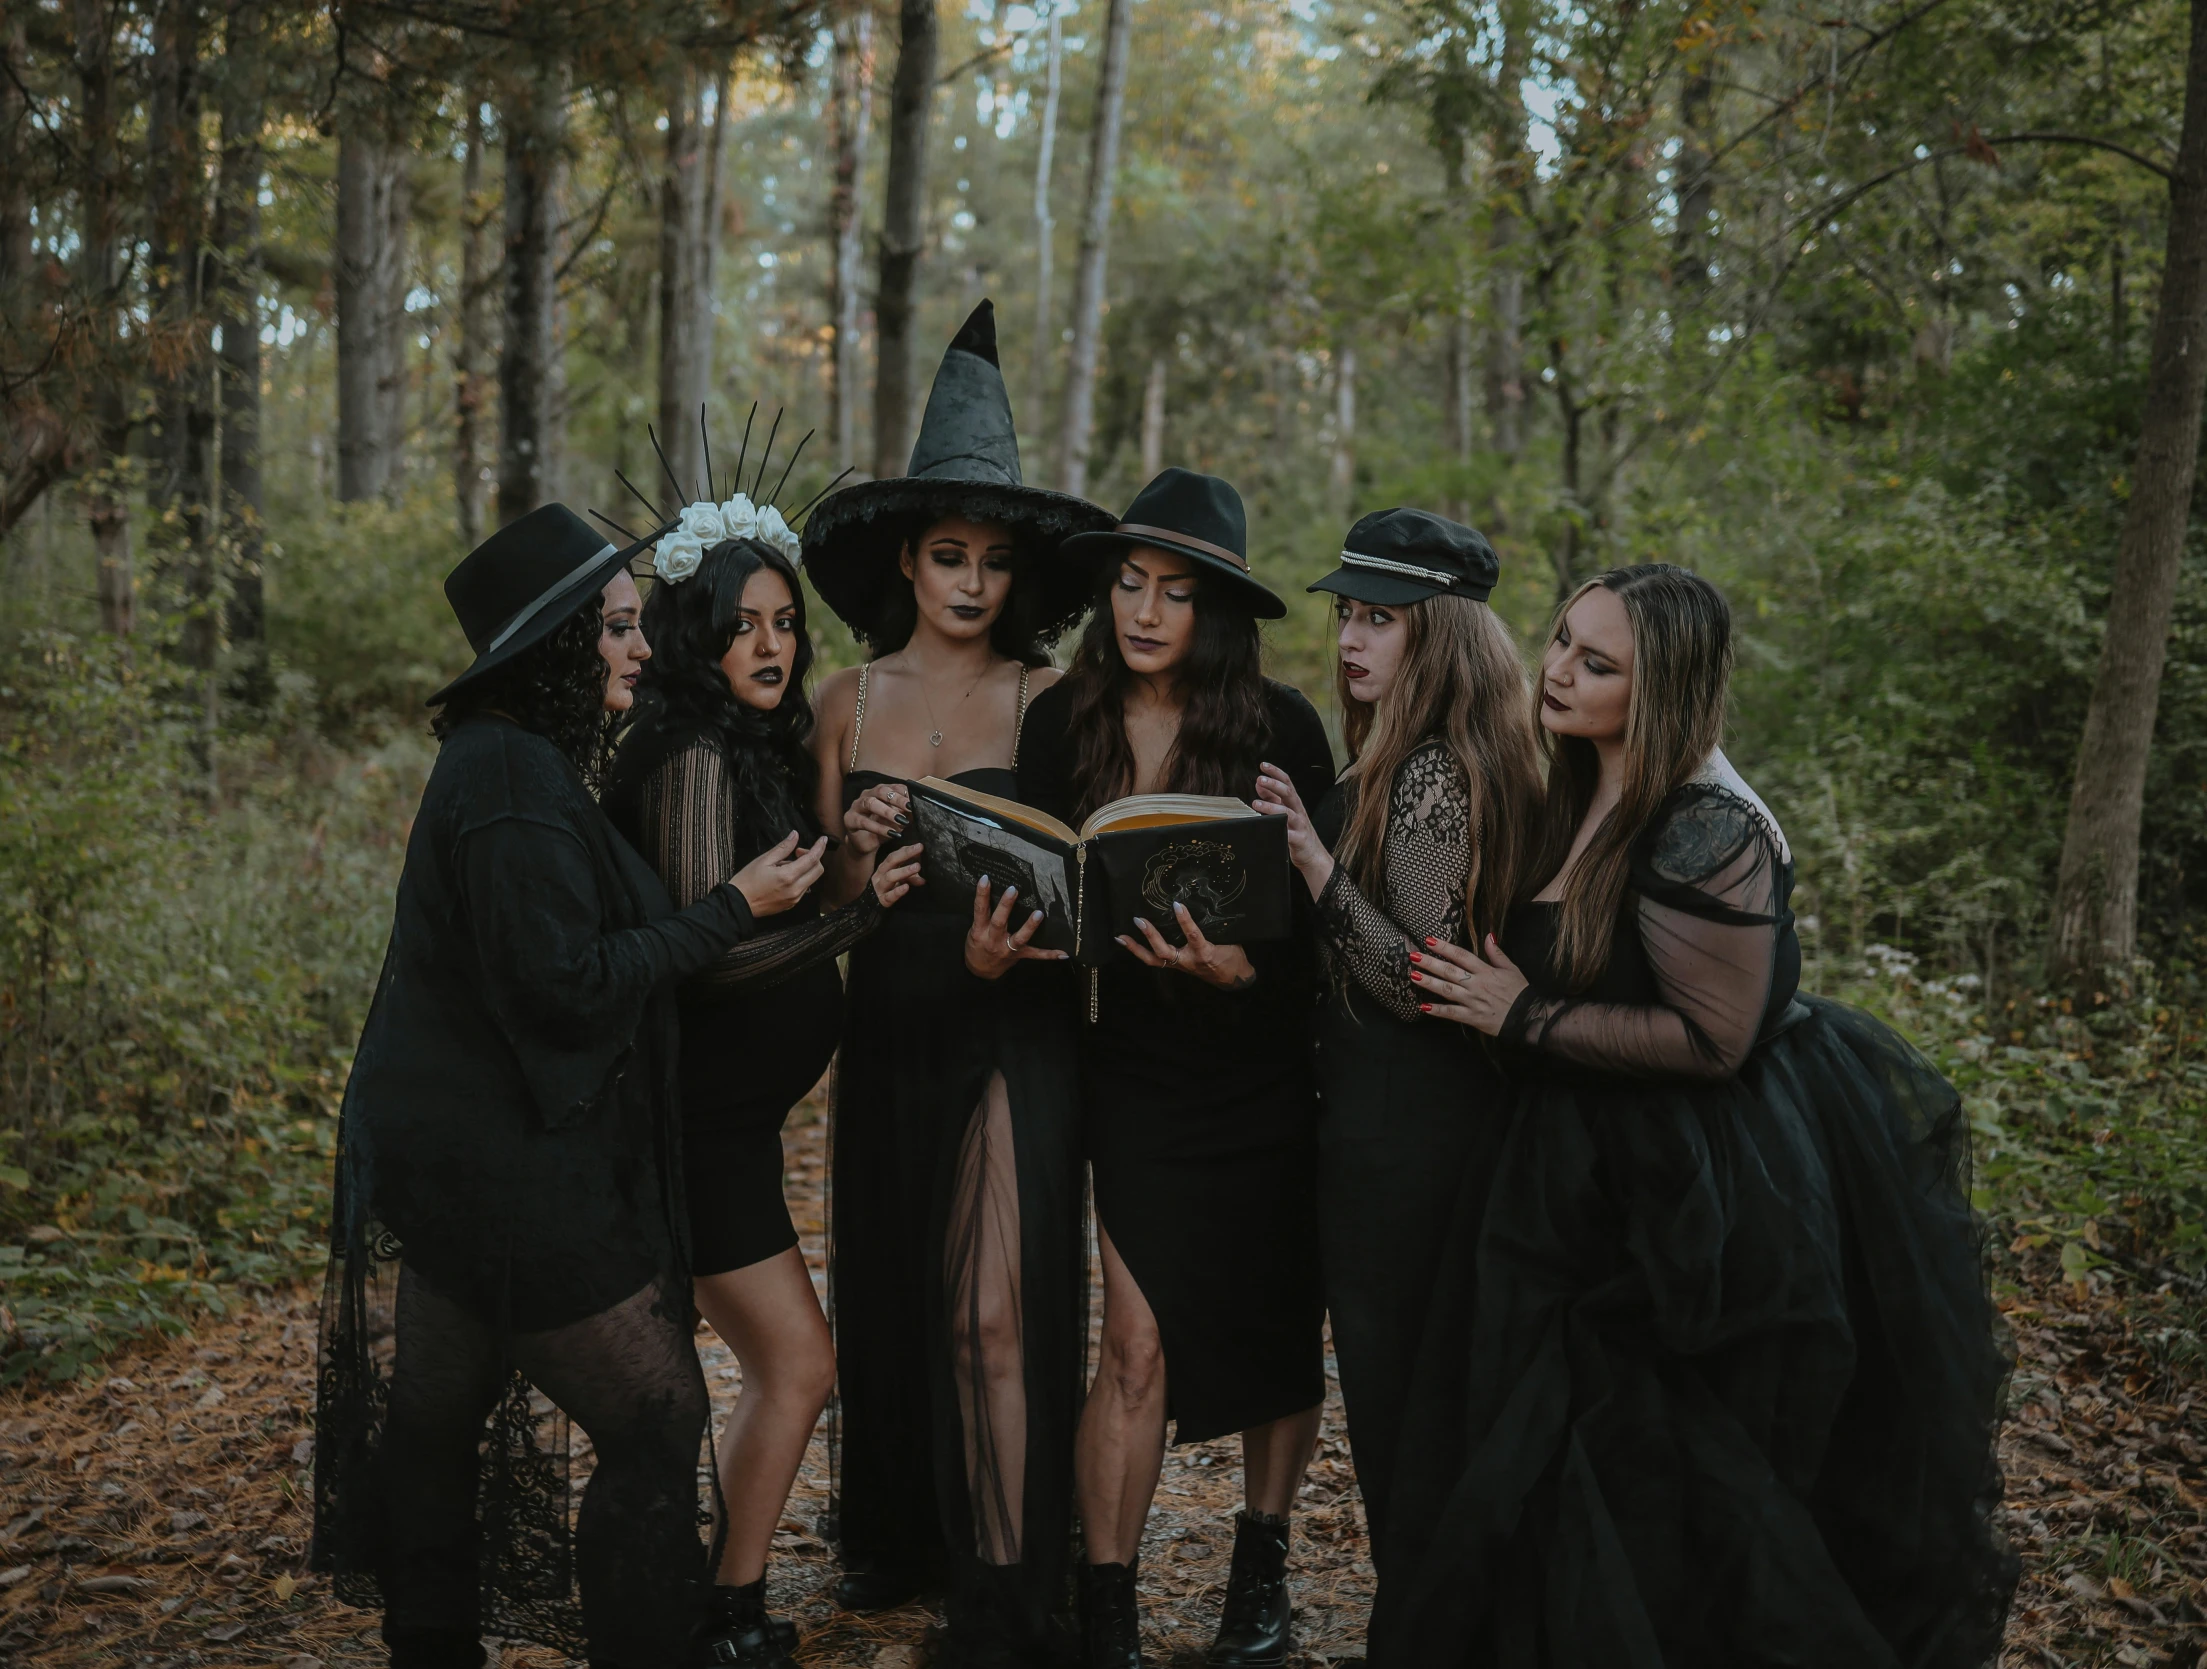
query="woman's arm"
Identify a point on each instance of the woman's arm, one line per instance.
(1427, 861)
(851, 860)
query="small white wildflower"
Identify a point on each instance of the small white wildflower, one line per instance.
(740, 517)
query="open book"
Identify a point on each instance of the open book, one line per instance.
(1134, 857)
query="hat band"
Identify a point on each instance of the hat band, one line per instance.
(1408, 570)
(544, 600)
(1173, 536)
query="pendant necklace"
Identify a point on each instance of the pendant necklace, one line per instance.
(935, 735)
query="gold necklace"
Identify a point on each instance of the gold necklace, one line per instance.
(935, 735)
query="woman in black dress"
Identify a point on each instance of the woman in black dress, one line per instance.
(1711, 1376)
(957, 1276)
(507, 1209)
(715, 768)
(1424, 836)
(1195, 1067)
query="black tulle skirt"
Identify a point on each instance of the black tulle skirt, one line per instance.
(1711, 1379)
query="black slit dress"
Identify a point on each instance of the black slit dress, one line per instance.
(1406, 1104)
(958, 1260)
(1712, 1375)
(1199, 1106)
(508, 1227)
(760, 1024)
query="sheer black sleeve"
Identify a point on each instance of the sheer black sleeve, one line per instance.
(1708, 880)
(686, 809)
(1427, 860)
(567, 994)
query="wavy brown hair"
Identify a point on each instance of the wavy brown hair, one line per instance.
(555, 688)
(1463, 684)
(1681, 674)
(1224, 726)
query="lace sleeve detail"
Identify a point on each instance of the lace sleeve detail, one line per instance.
(1427, 859)
(687, 807)
(1709, 922)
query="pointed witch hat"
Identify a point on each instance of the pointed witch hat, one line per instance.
(964, 463)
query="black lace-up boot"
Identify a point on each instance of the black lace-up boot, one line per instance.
(740, 1635)
(1111, 1620)
(1253, 1631)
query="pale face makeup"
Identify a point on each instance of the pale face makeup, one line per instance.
(1373, 639)
(1586, 673)
(1153, 610)
(621, 642)
(961, 574)
(763, 658)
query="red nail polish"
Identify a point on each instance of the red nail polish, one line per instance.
(1414, 974)
(1415, 957)
(1425, 1008)
(1432, 941)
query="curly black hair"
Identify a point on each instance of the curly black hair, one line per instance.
(555, 689)
(691, 625)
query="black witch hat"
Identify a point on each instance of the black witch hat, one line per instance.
(964, 463)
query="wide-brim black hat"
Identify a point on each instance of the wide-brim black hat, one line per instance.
(964, 463)
(1191, 515)
(524, 582)
(1398, 557)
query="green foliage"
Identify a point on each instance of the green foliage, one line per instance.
(193, 926)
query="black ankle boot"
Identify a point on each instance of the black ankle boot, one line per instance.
(1111, 1619)
(1252, 1632)
(740, 1635)
(875, 1590)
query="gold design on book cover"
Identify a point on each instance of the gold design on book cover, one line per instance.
(1205, 875)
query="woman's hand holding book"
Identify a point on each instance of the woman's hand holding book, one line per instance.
(993, 946)
(876, 817)
(898, 874)
(1226, 966)
(1276, 796)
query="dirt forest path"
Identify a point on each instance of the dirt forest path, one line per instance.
(158, 1516)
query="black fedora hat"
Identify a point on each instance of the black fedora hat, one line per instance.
(964, 463)
(1395, 557)
(522, 584)
(1191, 515)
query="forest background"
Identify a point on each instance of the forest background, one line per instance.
(1856, 308)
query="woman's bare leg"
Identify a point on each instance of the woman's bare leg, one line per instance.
(982, 1274)
(1121, 1445)
(1274, 1457)
(766, 1313)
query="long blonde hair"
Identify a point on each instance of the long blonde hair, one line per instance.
(1681, 672)
(1462, 682)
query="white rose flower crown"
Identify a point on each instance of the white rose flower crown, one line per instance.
(705, 522)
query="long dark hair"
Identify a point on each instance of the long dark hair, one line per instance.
(1224, 725)
(1015, 633)
(690, 626)
(1681, 674)
(555, 689)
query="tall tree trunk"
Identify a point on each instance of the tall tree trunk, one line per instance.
(1344, 422)
(853, 88)
(1457, 352)
(689, 236)
(2095, 923)
(1153, 419)
(238, 255)
(370, 170)
(1045, 349)
(15, 196)
(903, 233)
(529, 381)
(1077, 430)
(394, 332)
(476, 277)
(106, 492)
(1696, 176)
(1513, 173)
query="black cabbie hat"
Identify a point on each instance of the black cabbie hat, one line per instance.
(1393, 557)
(964, 463)
(1191, 515)
(522, 584)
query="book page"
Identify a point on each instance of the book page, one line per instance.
(1010, 810)
(1149, 811)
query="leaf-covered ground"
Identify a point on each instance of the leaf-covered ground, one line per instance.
(157, 1515)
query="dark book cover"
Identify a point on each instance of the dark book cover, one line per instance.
(1231, 873)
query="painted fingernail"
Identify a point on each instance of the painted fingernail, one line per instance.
(985, 881)
(1414, 974)
(1425, 1008)
(1415, 957)
(1432, 941)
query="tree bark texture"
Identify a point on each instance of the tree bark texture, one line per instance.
(1153, 418)
(852, 87)
(1046, 341)
(469, 384)
(1696, 182)
(1077, 431)
(237, 249)
(371, 300)
(689, 235)
(2095, 923)
(903, 234)
(106, 488)
(529, 384)
(15, 199)
(1513, 172)
(176, 186)
(1344, 422)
